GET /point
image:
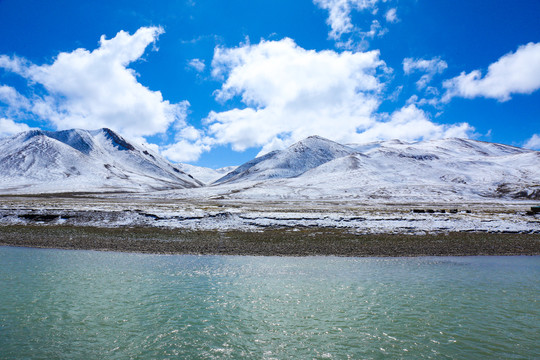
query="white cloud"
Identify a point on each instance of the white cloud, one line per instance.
(513, 73)
(189, 133)
(15, 104)
(12, 98)
(433, 101)
(391, 15)
(185, 150)
(339, 14)
(292, 93)
(197, 64)
(8, 127)
(429, 67)
(15, 64)
(533, 142)
(412, 124)
(435, 65)
(374, 30)
(189, 144)
(92, 89)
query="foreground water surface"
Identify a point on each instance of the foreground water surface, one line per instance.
(58, 304)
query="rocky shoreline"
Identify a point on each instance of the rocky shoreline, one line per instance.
(269, 242)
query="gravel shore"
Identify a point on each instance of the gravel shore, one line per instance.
(270, 242)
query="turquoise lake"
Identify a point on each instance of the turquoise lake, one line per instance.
(59, 304)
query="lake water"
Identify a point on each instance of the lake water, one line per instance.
(57, 304)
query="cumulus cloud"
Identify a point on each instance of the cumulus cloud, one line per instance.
(291, 93)
(187, 149)
(513, 73)
(429, 67)
(533, 142)
(91, 89)
(374, 30)
(339, 14)
(197, 64)
(287, 93)
(9, 127)
(12, 104)
(434, 100)
(412, 124)
(12, 98)
(188, 145)
(391, 15)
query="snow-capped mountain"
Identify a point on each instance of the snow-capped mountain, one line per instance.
(84, 161)
(314, 168)
(437, 170)
(293, 161)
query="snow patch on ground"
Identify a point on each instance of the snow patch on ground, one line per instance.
(253, 216)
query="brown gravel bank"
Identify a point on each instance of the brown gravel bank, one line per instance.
(269, 242)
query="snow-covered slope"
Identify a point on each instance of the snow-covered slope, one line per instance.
(314, 168)
(437, 170)
(204, 174)
(293, 161)
(81, 161)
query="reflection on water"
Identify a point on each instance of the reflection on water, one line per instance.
(86, 304)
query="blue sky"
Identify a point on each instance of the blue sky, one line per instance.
(215, 83)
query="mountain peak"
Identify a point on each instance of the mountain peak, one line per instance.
(81, 160)
(291, 162)
(315, 139)
(30, 134)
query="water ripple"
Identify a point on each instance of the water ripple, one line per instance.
(84, 304)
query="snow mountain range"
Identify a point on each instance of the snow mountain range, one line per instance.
(428, 171)
(314, 168)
